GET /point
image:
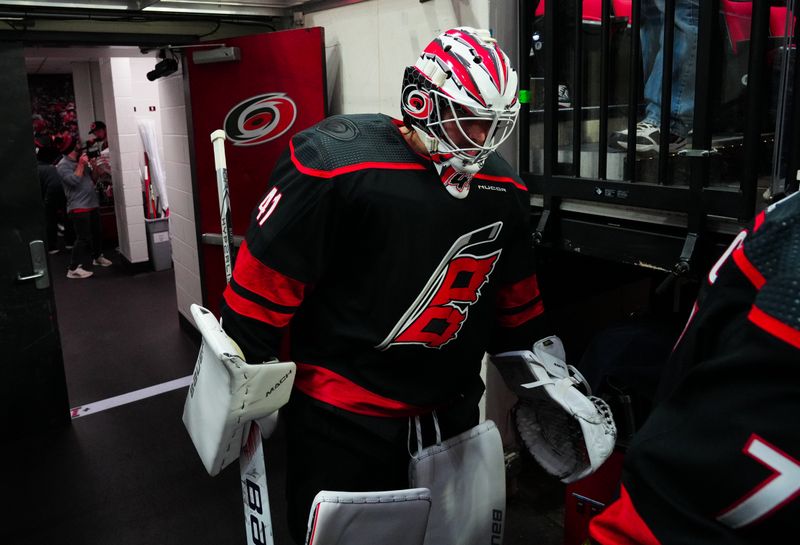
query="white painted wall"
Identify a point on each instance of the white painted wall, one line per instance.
(130, 98)
(120, 87)
(369, 44)
(84, 101)
(175, 136)
(87, 84)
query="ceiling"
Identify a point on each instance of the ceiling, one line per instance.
(253, 8)
(58, 32)
(238, 8)
(56, 60)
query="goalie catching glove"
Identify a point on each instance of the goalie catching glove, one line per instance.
(227, 393)
(568, 433)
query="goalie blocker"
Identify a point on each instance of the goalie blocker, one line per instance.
(568, 433)
(227, 393)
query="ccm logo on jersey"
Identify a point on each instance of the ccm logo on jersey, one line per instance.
(260, 119)
(441, 308)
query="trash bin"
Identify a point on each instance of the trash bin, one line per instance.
(158, 244)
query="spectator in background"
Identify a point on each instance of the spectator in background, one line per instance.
(82, 208)
(564, 43)
(648, 130)
(98, 141)
(99, 160)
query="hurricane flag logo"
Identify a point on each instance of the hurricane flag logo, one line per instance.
(416, 103)
(260, 119)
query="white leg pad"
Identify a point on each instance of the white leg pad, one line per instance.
(467, 480)
(226, 393)
(393, 517)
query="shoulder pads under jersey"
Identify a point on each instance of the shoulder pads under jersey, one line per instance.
(344, 143)
(774, 247)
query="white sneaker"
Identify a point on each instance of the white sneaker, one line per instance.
(564, 100)
(648, 139)
(102, 261)
(79, 272)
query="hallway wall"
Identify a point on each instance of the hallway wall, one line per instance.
(175, 136)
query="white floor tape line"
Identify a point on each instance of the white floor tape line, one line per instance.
(130, 397)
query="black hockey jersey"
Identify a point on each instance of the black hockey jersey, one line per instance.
(718, 461)
(386, 289)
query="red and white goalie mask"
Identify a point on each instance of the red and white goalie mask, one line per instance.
(461, 99)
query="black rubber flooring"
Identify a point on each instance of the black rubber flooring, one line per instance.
(129, 475)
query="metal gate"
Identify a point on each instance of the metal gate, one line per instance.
(665, 208)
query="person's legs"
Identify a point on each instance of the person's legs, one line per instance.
(97, 234)
(652, 38)
(332, 449)
(328, 451)
(83, 236)
(565, 43)
(684, 62)
(69, 230)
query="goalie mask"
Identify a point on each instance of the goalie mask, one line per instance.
(461, 99)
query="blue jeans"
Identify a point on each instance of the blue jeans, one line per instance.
(684, 61)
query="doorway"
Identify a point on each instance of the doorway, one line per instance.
(104, 319)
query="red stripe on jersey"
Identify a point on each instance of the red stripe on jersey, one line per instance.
(514, 320)
(502, 180)
(774, 327)
(318, 173)
(620, 524)
(747, 268)
(515, 295)
(245, 307)
(759, 220)
(254, 276)
(333, 389)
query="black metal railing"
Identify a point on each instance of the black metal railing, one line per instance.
(677, 182)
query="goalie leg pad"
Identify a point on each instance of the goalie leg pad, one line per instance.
(226, 393)
(466, 477)
(394, 517)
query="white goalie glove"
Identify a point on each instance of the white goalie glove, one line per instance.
(570, 434)
(227, 393)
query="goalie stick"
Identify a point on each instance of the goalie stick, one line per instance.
(252, 469)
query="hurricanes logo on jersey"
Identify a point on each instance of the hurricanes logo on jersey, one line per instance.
(442, 307)
(260, 119)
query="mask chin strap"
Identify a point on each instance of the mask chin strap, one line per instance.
(431, 144)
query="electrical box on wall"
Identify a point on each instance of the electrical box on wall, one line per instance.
(219, 54)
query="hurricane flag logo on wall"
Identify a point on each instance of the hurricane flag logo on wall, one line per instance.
(260, 119)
